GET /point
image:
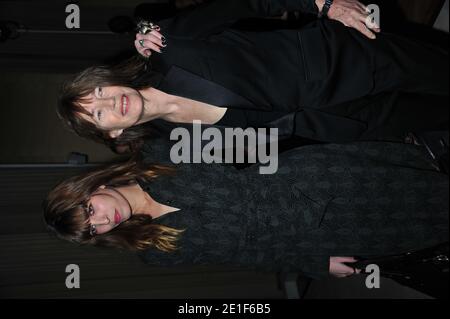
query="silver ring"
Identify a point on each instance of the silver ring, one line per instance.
(145, 27)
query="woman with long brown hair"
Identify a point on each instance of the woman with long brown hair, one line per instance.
(76, 198)
(326, 205)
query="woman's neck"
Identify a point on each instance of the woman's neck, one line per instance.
(176, 109)
(142, 203)
(158, 105)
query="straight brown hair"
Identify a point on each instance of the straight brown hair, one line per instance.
(65, 210)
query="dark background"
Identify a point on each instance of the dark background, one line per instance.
(35, 150)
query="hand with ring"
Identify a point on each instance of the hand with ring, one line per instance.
(149, 39)
(352, 14)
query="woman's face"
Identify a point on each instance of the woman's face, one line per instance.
(107, 209)
(113, 108)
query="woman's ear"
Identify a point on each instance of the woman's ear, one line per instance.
(115, 133)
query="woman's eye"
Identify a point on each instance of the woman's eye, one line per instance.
(91, 210)
(98, 92)
(99, 115)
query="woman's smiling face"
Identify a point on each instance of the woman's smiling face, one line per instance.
(113, 108)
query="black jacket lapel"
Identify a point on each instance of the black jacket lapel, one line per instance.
(186, 84)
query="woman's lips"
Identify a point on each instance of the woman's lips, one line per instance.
(117, 217)
(125, 105)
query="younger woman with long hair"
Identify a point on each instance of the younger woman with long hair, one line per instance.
(325, 202)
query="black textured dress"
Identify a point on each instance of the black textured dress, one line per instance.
(362, 199)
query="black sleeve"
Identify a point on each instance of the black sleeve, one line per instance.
(156, 11)
(214, 16)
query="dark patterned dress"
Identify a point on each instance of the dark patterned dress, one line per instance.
(366, 199)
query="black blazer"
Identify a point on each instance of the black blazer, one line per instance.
(305, 73)
(284, 71)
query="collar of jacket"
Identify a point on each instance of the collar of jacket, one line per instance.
(181, 82)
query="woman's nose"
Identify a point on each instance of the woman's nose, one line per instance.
(100, 220)
(109, 103)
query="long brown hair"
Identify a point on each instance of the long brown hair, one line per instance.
(129, 73)
(65, 210)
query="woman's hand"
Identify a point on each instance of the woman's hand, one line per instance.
(352, 14)
(341, 270)
(152, 41)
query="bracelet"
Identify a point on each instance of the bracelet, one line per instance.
(326, 8)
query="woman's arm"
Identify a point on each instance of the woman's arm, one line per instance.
(164, 10)
(214, 16)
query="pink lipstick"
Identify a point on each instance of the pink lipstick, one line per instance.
(125, 105)
(117, 217)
